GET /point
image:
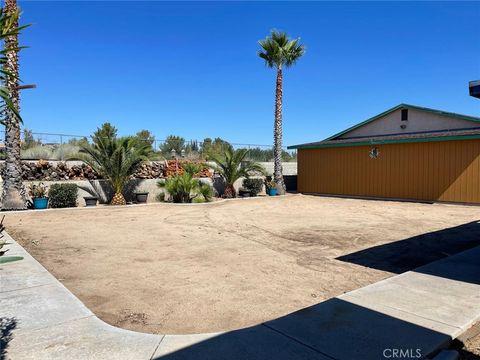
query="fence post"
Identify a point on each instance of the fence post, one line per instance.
(61, 145)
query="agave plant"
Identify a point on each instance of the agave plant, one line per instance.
(186, 188)
(5, 259)
(115, 160)
(230, 168)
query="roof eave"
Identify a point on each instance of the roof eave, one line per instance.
(381, 142)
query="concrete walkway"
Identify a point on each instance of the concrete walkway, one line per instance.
(417, 313)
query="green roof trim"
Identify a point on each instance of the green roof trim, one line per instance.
(381, 142)
(406, 106)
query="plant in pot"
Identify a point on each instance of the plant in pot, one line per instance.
(231, 166)
(243, 192)
(186, 188)
(253, 185)
(38, 192)
(90, 200)
(141, 197)
(271, 187)
(115, 159)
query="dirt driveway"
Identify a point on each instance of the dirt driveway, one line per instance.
(173, 269)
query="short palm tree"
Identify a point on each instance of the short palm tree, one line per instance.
(278, 51)
(13, 194)
(185, 188)
(230, 168)
(115, 160)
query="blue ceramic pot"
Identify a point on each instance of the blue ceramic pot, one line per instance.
(272, 191)
(40, 203)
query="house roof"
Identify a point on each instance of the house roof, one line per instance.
(442, 135)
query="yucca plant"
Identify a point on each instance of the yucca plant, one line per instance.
(230, 168)
(186, 188)
(115, 160)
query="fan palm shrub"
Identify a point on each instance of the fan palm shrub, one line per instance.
(279, 51)
(115, 160)
(231, 166)
(186, 188)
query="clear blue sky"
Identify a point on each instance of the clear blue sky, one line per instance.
(190, 68)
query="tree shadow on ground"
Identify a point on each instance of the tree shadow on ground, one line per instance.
(408, 254)
(7, 325)
(334, 329)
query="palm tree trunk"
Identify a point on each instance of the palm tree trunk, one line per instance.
(277, 134)
(229, 192)
(14, 194)
(118, 199)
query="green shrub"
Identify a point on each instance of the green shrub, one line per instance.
(63, 195)
(254, 186)
(185, 188)
(65, 151)
(44, 152)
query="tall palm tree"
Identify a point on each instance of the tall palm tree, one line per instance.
(278, 51)
(229, 167)
(115, 160)
(14, 195)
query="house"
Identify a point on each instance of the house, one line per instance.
(407, 152)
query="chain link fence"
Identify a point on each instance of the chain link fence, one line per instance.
(54, 146)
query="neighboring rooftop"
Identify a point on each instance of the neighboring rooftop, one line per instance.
(457, 127)
(474, 88)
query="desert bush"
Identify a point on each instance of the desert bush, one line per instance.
(38, 152)
(254, 186)
(63, 195)
(65, 151)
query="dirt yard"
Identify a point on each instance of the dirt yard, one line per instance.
(176, 269)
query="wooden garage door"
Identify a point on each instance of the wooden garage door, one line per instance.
(437, 171)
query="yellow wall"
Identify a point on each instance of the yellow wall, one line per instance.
(437, 171)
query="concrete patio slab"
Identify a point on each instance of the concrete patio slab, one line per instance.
(345, 331)
(88, 338)
(42, 306)
(23, 277)
(255, 343)
(446, 302)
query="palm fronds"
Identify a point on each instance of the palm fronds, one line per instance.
(232, 166)
(8, 28)
(185, 188)
(115, 159)
(278, 49)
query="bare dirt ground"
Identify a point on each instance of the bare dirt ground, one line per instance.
(176, 269)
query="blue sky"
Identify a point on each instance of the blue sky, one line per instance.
(190, 68)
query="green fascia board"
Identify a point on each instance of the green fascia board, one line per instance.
(381, 142)
(406, 106)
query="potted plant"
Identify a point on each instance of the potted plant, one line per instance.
(141, 197)
(90, 200)
(244, 192)
(39, 196)
(271, 187)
